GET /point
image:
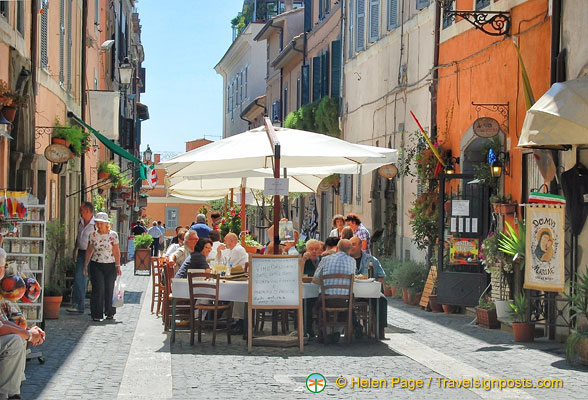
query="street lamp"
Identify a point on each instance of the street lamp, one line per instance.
(450, 166)
(500, 164)
(125, 72)
(147, 155)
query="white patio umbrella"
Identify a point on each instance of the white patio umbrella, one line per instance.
(559, 117)
(252, 150)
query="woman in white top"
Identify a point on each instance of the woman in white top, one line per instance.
(338, 224)
(103, 256)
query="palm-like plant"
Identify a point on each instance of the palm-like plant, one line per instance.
(579, 305)
(513, 244)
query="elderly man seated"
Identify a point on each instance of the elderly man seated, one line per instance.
(338, 263)
(234, 254)
(363, 262)
(184, 252)
(13, 347)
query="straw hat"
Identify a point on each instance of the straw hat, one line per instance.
(101, 217)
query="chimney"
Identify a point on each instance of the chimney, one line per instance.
(157, 158)
(289, 5)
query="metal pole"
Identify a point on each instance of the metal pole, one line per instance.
(271, 134)
(243, 205)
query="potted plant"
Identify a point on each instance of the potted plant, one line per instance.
(513, 244)
(75, 138)
(433, 302)
(497, 264)
(503, 204)
(411, 277)
(143, 252)
(577, 342)
(390, 266)
(251, 245)
(522, 329)
(486, 313)
(52, 297)
(10, 101)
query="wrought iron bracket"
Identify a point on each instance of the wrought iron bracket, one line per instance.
(493, 23)
(501, 108)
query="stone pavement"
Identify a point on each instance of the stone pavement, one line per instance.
(133, 358)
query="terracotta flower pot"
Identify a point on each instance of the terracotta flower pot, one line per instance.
(582, 350)
(487, 318)
(434, 304)
(405, 295)
(103, 175)
(523, 331)
(55, 140)
(9, 112)
(414, 298)
(387, 290)
(51, 305)
(394, 290)
(251, 249)
(447, 309)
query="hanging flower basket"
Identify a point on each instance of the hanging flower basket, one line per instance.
(55, 140)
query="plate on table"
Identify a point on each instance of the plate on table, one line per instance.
(365, 280)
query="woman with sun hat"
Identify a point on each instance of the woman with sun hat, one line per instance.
(103, 257)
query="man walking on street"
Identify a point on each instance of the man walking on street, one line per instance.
(155, 233)
(80, 286)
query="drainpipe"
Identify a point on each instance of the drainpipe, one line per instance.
(555, 38)
(83, 81)
(434, 82)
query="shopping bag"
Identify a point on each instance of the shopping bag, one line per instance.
(118, 294)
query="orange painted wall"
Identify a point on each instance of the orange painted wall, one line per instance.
(479, 68)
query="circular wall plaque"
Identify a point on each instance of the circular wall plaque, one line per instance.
(486, 127)
(57, 153)
(388, 171)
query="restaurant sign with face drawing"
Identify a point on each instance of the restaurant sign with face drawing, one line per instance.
(544, 253)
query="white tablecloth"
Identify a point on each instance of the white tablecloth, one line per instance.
(239, 290)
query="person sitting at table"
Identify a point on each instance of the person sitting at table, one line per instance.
(338, 225)
(215, 237)
(200, 226)
(198, 258)
(177, 242)
(347, 233)
(330, 246)
(352, 220)
(234, 254)
(338, 263)
(362, 262)
(184, 252)
(312, 256)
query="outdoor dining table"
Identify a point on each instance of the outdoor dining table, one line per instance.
(239, 291)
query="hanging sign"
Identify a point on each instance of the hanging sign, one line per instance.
(463, 251)
(388, 171)
(275, 187)
(486, 127)
(544, 252)
(57, 153)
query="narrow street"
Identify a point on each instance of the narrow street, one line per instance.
(132, 358)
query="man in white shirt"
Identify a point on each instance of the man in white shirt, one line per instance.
(80, 286)
(234, 254)
(155, 233)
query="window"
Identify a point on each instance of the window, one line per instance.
(4, 9)
(237, 91)
(447, 20)
(246, 70)
(325, 74)
(350, 35)
(358, 194)
(335, 68)
(305, 85)
(374, 33)
(307, 15)
(171, 217)
(347, 188)
(360, 25)
(61, 42)
(420, 4)
(482, 4)
(298, 89)
(267, 60)
(20, 17)
(96, 12)
(392, 14)
(69, 45)
(44, 28)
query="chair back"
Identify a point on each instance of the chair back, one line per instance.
(203, 286)
(158, 265)
(169, 274)
(334, 285)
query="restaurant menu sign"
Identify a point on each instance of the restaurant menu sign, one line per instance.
(544, 259)
(463, 251)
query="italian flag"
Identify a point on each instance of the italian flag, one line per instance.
(151, 176)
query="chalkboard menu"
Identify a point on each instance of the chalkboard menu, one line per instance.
(275, 282)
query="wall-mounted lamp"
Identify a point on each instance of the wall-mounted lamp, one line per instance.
(125, 71)
(500, 163)
(147, 154)
(450, 166)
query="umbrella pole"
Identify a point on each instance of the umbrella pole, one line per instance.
(243, 215)
(232, 194)
(271, 135)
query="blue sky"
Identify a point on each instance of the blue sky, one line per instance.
(183, 92)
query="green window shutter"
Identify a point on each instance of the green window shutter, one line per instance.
(44, 30)
(351, 30)
(360, 25)
(335, 68)
(325, 74)
(374, 33)
(307, 15)
(305, 85)
(69, 46)
(420, 4)
(392, 14)
(61, 41)
(316, 78)
(320, 7)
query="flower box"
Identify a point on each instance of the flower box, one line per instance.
(487, 318)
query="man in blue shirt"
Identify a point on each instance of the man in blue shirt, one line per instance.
(362, 262)
(200, 227)
(155, 233)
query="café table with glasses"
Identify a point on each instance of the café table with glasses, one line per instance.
(238, 291)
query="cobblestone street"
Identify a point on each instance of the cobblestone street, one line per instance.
(132, 358)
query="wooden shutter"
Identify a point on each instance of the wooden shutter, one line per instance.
(374, 33)
(44, 29)
(335, 68)
(307, 15)
(392, 14)
(360, 25)
(305, 83)
(325, 74)
(420, 4)
(316, 78)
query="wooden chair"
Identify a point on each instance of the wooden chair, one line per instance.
(205, 286)
(157, 288)
(182, 305)
(333, 306)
